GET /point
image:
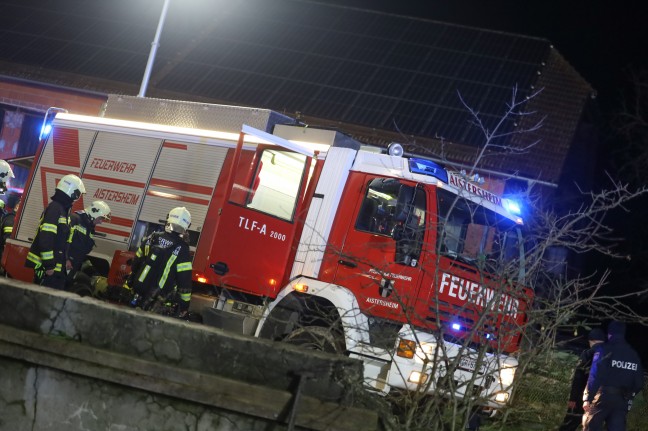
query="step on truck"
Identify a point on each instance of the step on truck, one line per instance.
(305, 235)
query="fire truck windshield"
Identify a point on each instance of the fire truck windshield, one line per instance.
(478, 236)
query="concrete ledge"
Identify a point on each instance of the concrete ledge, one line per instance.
(192, 362)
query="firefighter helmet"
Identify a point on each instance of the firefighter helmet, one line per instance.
(5, 170)
(179, 217)
(72, 186)
(5, 174)
(98, 209)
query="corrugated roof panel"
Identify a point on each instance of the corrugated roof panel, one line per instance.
(387, 27)
(39, 22)
(312, 68)
(388, 82)
(282, 63)
(442, 62)
(348, 20)
(407, 56)
(34, 47)
(331, 102)
(425, 88)
(460, 39)
(423, 32)
(221, 83)
(529, 50)
(13, 16)
(371, 50)
(255, 89)
(349, 74)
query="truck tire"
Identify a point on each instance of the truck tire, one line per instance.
(315, 338)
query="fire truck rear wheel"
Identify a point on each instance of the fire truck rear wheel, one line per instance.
(315, 338)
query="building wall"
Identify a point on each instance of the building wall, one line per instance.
(29, 96)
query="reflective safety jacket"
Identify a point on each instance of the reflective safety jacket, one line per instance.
(6, 227)
(49, 246)
(161, 270)
(81, 238)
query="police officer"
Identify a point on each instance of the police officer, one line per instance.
(47, 254)
(81, 239)
(5, 174)
(614, 379)
(574, 416)
(161, 269)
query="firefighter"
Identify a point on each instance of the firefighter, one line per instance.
(6, 223)
(614, 379)
(161, 269)
(81, 238)
(47, 254)
(574, 416)
(5, 174)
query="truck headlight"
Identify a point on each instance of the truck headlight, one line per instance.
(501, 397)
(428, 349)
(507, 374)
(418, 377)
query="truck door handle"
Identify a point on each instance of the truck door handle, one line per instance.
(347, 263)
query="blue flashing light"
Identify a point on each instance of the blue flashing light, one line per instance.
(428, 167)
(456, 326)
(46, 129)
(512, 206)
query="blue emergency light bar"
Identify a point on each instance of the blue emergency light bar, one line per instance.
(428, 167)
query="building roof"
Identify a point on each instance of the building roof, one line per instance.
(380, 77)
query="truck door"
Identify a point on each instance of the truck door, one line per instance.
(379, 258)
(257, 224)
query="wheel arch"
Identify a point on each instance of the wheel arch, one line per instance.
(292, 309)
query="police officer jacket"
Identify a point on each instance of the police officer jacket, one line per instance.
(81, 238)
(50, 243)
(162, 269)
(615, 365)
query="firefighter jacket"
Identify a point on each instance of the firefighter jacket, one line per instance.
(81, 238)
(49, 246)
(615, 365)
(6, 227)
(161, 270)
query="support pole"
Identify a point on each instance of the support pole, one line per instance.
(154, 47)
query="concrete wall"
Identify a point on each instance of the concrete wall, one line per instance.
(68, 362)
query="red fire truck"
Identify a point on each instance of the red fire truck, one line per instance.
(304, 235)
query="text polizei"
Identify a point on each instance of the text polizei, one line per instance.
(624, 365)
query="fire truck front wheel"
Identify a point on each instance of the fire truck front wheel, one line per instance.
(315, 338)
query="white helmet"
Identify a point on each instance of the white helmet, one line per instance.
(98, 209)
(180, 217)
(5, 174)
(72, 186)
(5, 170)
